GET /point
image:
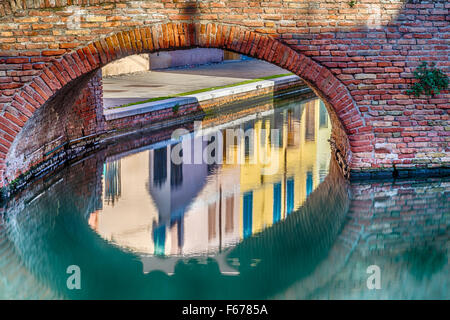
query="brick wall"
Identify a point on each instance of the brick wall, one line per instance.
(359, 60)
(51, 136)
(86, 115)
(401, 215)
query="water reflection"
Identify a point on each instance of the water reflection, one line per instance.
(226, 231)
(200, 208)
(113, 184)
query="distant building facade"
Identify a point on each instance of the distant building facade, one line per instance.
(169, 59)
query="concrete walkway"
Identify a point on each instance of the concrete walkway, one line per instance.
(122, 89)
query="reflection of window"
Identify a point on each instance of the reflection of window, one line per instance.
(248, 212)
(180, 230)
(159, 166)
(224, 145)
(229, 223)
(211, 163)
(112, 181)
(323, 116)
(264, 132)
(276, 202)
(211, 221)
(276, 124)
(323, 172)
(290, 127)
(290, 120)
(176, 173)
(247, 146)
(248, 138)
(159, 239)
(310, 127)
(289, 195)
(309, 182)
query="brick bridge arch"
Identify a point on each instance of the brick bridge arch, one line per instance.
(79, 66)
(359, 59)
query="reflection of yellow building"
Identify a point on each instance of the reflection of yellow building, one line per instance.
(161, 208)
(301, 153)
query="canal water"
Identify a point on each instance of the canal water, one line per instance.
(263, 213)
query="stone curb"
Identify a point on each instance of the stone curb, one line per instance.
(118, 113)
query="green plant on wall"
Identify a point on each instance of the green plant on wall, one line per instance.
(352, 3)
(431, 80)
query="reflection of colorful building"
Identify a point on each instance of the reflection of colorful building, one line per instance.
(302, 153)
(111, 174)
(199, 208)
(188, 199)
(173, 187)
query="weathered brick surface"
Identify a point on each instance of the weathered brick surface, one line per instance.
(358, 60)
(400, 215)
(56, 126)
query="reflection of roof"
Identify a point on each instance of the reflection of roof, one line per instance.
(167, 264)
(178, 188)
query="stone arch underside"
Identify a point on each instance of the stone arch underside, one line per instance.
(67, 74)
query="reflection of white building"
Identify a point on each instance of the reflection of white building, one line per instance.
(128, 221)
(173, 186)
(212, 221)
(161, 202)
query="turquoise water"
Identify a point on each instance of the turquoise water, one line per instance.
(140, 227)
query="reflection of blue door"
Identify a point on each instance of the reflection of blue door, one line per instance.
(276, 202)
(289, 195)
(309, 183)
(159, 239)
(248, 212)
